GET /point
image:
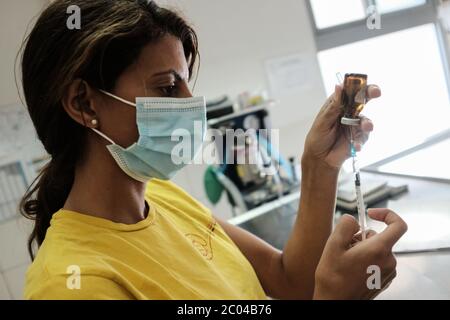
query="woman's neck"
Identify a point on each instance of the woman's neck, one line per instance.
(102, 189)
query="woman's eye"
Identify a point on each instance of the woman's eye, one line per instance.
(168, 91)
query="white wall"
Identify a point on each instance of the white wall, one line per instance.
(236, 38)
(15, 15)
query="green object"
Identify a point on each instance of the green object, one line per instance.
(213, 187)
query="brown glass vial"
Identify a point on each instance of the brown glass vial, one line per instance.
(353, 98)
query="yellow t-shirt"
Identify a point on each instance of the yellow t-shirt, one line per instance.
(178, 252)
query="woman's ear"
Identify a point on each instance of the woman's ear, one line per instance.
(80, 103)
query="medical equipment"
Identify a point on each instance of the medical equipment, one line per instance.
(253, 172)
(354, 101)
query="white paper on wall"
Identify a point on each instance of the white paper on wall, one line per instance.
(17, 132)
(287, 75)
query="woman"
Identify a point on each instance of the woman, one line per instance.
(109, 224)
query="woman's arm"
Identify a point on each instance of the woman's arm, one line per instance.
(327, 147)
(290, 274)
(312, 228)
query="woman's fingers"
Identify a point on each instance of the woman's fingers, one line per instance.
(361, 133)
(366, 124)
(332, 109)
(343, 234)
(333, 105)
(373, 92)
(357, 238)
(369, 233)
(395, 229)
(359, 140)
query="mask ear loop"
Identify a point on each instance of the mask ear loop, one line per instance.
(104, 136)
(118, 98)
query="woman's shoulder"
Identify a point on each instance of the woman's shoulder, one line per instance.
(71, 281)
(58, 255)
(59, 267)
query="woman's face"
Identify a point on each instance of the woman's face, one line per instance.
(161, 70)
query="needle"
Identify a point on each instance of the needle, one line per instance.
(359, 195)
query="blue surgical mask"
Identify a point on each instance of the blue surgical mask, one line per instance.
(171, 132)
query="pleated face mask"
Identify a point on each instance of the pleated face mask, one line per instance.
(171, 132)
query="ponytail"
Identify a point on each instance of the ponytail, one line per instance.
(45, 196)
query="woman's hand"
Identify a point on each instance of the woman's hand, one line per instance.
(342, 272)
(328, 141)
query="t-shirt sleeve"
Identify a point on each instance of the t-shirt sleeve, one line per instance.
(88, 287)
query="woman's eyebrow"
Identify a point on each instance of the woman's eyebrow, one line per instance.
(172, 72)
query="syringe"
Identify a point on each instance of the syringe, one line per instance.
(359, 196)
(353, 101)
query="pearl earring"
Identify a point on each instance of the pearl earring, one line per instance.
(94, 122)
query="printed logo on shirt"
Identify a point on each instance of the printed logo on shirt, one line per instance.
(203, 242)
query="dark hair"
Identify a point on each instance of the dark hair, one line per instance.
(112, 34)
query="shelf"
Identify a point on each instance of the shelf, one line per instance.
(268, 207)
(240, 113)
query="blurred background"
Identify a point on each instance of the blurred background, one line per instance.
(270, 65)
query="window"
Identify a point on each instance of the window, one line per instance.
(386, 6)
(407, 61)
(330, 13)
